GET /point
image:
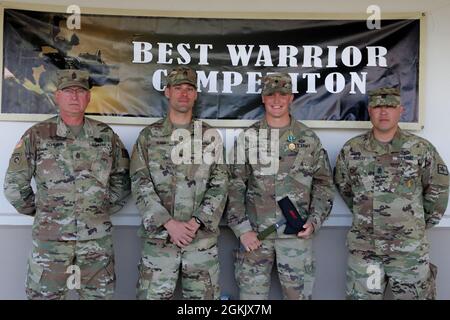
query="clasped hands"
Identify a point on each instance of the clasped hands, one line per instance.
(181, 232)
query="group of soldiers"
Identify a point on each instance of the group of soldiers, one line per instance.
(395, 184)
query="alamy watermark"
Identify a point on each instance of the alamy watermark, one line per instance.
(74, 20)
(253, 147)
(374, 280)
(374, 20)
(74, 280)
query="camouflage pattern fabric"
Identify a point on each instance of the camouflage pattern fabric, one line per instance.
(395, 191)
(304, 175)
(295, 265)
(384, 97)
(48, 269)
(182, 75)
(407, 278)
(164, 190)
(80, 180)
(160, 266)
(278, 82)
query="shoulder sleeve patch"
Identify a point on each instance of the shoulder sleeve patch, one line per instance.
(442, 169)
(17, 161)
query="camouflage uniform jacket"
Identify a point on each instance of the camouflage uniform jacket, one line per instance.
(164, 190)
(394, 190)
(304, 174)
(80, 180)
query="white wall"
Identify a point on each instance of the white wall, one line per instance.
(437, 69)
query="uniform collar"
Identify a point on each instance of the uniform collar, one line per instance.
(64, 131)
(168, 127)
(394, 145)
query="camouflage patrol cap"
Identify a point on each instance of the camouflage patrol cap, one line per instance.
(384, 97)
(277, 82)
(182, 75)
(72, 77)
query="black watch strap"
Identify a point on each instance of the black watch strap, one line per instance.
(198, 221)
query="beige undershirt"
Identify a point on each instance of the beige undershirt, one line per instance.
(282, 130)
(76, 129)
(181, 126)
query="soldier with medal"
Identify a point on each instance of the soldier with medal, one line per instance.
(303, 179)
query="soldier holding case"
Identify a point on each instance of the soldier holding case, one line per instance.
(304, 176)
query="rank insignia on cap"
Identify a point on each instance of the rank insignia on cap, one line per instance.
(182, 75)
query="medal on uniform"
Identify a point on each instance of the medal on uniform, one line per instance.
(409, 183)
(291, 145)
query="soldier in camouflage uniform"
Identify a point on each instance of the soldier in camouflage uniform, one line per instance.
(304, 175)
(81, 170)
(181, 203)
(396, 185)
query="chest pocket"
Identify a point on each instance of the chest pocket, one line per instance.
(361, 172)
(395, 173)
(102, 162)
(260, 159)
(403, 174)
(286, 162)
(52, 161)
(160, 164)
(302, 166)
(198, 176)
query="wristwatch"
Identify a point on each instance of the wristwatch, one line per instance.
(198, 221)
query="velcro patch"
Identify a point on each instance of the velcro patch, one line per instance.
(442, 169)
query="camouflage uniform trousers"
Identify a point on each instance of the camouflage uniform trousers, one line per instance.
(160, 266)
(295, 265)
(410, 275)
(49, 272)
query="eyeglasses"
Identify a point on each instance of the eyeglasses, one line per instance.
(74, 91)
